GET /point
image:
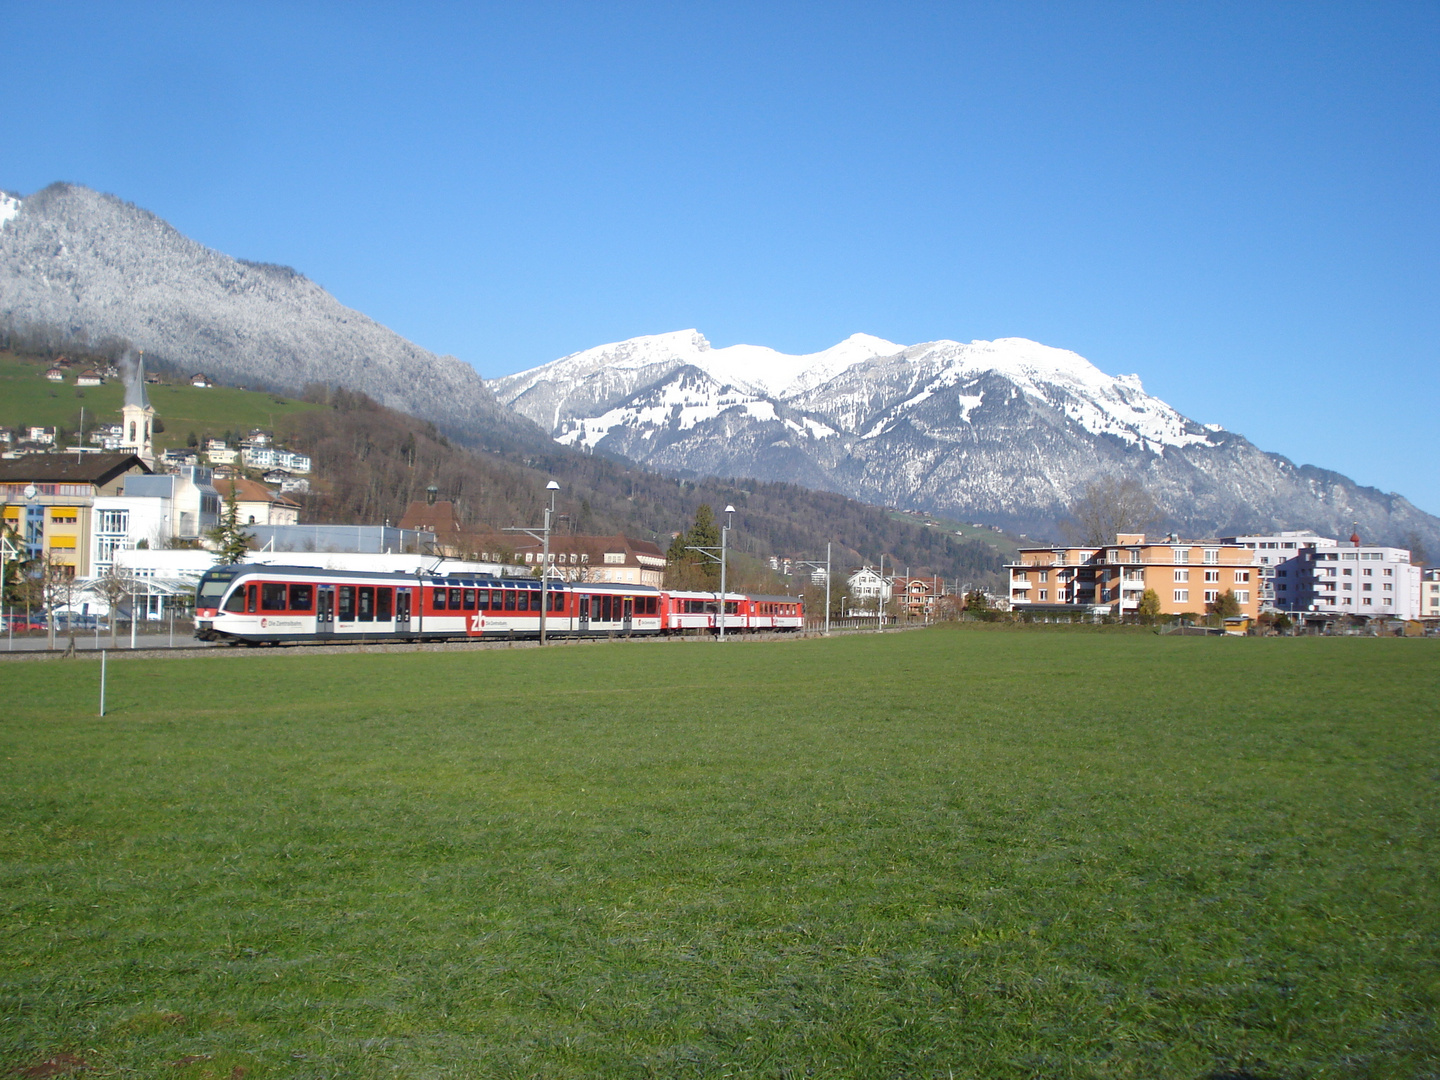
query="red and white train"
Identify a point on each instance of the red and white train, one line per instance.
(272, 605)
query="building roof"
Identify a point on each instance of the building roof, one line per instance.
(68, 468)
(251, 491)
(135, 386)
(438, 517)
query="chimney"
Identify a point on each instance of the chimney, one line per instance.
(430, 493)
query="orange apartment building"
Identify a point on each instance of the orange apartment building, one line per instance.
(1111, 580)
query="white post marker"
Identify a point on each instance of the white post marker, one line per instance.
(724, 535)
(102, 682)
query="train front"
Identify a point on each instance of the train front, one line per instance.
(210, 615)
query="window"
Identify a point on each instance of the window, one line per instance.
(1348, 587)
(345, 609)
(614, 558)
(1389, 587)
(1212, 575)
(509, 599)
(1367, 587)
(302, 597)
(1182, 575)
(1044, 575)
(1348, 572)
(438, 601)
(367, 603)
(1389, 572)
(236, 602)
(272, 596)
(1242, 577)
(469, 599)
(1211, 595)
(1182, 596)
(1212, 555)
(1242, 596)
(1368, 572)
(455, 599)
(1182, 554)
(384, 604)
(1044, 594)
(522, 601)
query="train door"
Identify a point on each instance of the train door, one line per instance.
(584, 614)
(402, 611)
(325, 610)
(627, 613)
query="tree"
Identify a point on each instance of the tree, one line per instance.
(688, 569)
(1108, 507)
(112, 587)
(1224, 606)
(1418, 555)
(231, 541)
(1149, 604)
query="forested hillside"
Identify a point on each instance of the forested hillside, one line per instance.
(373, 461)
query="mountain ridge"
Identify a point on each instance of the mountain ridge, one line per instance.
(83, 269)
(1008, 431)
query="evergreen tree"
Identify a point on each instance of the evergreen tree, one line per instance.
(231, 541)
(1149, 604)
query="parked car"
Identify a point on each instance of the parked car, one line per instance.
(67, 620)
(19, 623)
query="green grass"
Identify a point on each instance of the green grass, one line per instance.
(943, 853)
(26, 397)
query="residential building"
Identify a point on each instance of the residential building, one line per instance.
(1430, 594)
(292, 462)
(1272, 549)
(48, 500)
(917, 595)
(869, 590)
(619, 559)
(1112, 579)
(41, 436)
(257, 504)
(89, 378)
(1367, 581)
(55, 374)
(259, 457)
(201, 381)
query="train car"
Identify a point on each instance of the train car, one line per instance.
(774, 613)
(700, 611)
(274, 605)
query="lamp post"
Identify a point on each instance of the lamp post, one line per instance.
(543, 535)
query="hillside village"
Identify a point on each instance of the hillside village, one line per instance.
(117, 525)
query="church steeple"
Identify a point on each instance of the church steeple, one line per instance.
(138, 416)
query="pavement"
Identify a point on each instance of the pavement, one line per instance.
(87, 641)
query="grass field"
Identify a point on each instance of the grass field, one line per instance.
(977, 853)
(27, 398)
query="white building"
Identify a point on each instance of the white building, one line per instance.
(259, 457)
(293, 462)
(157, 509)
(869, 589)
(1272, 549)
(1353, 579)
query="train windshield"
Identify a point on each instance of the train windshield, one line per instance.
(213, 586)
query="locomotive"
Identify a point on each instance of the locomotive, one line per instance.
(274, 605)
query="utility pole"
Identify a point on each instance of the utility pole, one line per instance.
(543, 535)
(816, 565)
(709, 553)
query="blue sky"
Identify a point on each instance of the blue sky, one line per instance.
(1237, 202)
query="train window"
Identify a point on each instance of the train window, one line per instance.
(482, 599)
(557, 601)
(367, 603)
(383, 599)
(439, 599)
(302, 597)
(606, 604)
(272, 596)
(345, 610)
(469, 599)
(455, 599)
(237, 600)
(509, 599)
(250, 598)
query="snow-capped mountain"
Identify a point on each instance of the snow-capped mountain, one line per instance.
(1009, 431)
(83, 270)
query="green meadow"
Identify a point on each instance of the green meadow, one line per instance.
(960, 852)
(27, 398)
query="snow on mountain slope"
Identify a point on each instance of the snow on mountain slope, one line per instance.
(1009, 431)
(9, 207)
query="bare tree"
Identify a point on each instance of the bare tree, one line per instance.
(113, 586)
(1107, 507)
